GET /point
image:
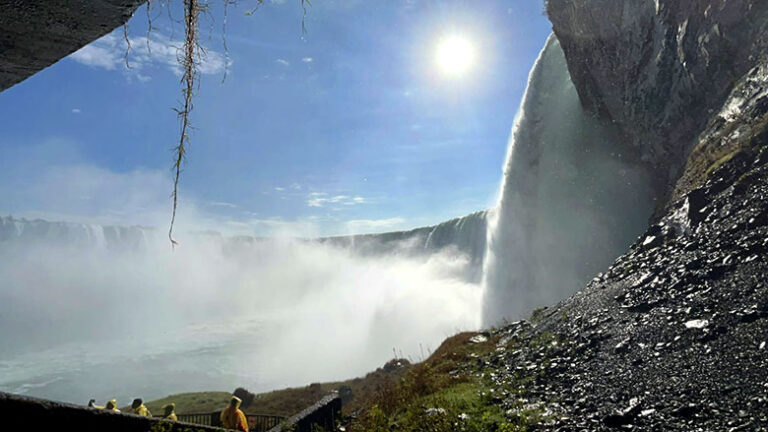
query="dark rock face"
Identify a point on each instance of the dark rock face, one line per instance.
(674, 336)
(660, 68)
(735, 127)
(34, 34)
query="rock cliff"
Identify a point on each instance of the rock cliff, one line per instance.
(673, 335)
(664, 70)
(34, 34)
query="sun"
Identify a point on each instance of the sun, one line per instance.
(455, 55)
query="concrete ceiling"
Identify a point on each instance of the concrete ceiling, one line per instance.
(35, 34)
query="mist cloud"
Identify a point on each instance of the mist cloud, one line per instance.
(79, 322)
(293, 312)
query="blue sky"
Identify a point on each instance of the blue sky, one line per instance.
(348, 128)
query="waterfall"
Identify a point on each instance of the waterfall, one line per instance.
(572, 198)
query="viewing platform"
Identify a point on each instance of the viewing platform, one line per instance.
(26, 413)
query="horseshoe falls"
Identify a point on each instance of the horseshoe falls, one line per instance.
(573, 198)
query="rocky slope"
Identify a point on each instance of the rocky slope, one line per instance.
(673, 336)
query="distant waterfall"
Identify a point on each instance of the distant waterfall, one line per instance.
(570, 201)
(17, 233)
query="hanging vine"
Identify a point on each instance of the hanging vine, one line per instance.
(189, 59)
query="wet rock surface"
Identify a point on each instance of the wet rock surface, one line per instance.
(660, 69)
(672, 337)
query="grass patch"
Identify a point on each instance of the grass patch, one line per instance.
(287, 402)
(537, 315)
(188, 403)
(720, 162)
(448, 392)
(712, 154)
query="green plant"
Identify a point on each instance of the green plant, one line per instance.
(287, 427)
(449, 392)
(537, 315)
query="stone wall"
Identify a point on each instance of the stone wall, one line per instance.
(321, 416)
(35, 34)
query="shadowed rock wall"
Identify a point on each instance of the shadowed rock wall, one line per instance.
(659, 69)
(35, 34)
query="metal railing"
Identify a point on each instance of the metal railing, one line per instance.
(256, 422)
(262, 423)
(201, 419)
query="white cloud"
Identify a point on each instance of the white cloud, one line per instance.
(307, 59)
(365, 225)
(316, 202)
(289, 190)
(76, 111)
(87, 193)
(309, 226)
(53, 181)
(319, 199)
(283, 62)
(277, 227)
(109, 52)
(100, 54)
(222, 204)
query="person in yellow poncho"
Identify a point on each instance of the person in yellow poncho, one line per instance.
(170, 412)
(138, 408)
(233, 418)
(111, 406)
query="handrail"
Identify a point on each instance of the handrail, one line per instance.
(256, 422)
(321, 416)
(18, 411)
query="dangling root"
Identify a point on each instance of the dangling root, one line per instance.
(189, 61)
(188, 79)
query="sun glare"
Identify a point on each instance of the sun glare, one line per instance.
(455, 55)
